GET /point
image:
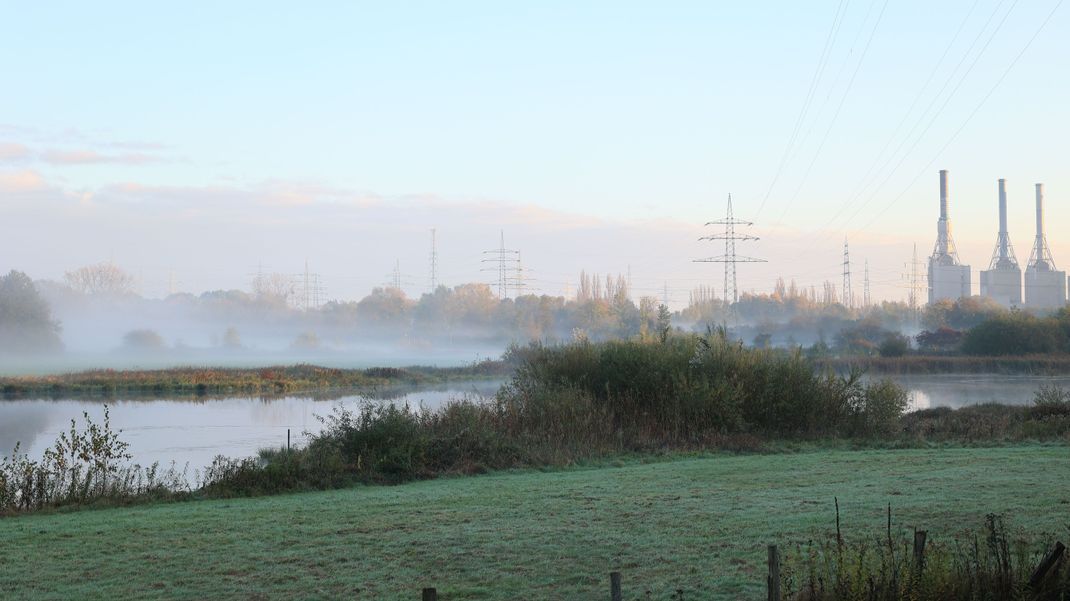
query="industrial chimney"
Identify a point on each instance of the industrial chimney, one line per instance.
(1041, 258)
(1002, 281)
(943, 226)
(1040, 217)
(1004, 239)
(947, 278)
(1045, 287)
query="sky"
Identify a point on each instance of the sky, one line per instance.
(197, 143)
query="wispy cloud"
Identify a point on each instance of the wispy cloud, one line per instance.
(92, 157)
(21, 181)
(11, 152)
(74, 147)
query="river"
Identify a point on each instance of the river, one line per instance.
(192, 432)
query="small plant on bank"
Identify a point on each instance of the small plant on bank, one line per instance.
(85, 465)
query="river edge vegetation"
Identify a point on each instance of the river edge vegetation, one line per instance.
(1037, 364)
(564, 405)
(205, 381)
(698, 524)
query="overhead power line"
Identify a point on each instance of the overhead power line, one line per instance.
(970, 117)
(830, 39)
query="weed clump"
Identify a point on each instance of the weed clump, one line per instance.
(995, 563)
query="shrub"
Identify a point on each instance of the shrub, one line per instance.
(1050, 401)
(690, 387)
(83, 466)
(143, 340)
(894, 345)
(940, 340)
(1014, 334)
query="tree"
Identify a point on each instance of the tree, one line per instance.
(664, 322)
(940, 340)
(26, 323)
(385, 309)
(894, 345)
(961, 314)
(143, 340)
(1014, 334)
(306, 341)
(231, 338)
(862, 337)
(273, 288)
(102, 278)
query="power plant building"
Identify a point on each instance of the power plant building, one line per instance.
(948, 279)
(1002, 281)
(1045, 286)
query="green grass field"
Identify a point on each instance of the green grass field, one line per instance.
(696, 524)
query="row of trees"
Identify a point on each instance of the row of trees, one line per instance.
(602, 309)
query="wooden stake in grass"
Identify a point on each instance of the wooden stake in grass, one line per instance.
(429, 594)
(287, 440)
(919, 549)
(614, 586)
(774, 573)
(1046, 564)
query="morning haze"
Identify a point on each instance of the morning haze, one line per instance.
(786, 279)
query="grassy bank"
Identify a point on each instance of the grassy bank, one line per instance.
(220, 381)
(699, 525)
(1047, 364)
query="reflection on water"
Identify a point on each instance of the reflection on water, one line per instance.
(194, 431)
(958, 390)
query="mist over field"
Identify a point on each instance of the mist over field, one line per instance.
(95, 319)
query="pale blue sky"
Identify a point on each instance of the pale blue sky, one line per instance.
(623, 125)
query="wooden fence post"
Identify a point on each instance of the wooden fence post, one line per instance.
(1046, 564)
(429, 594)
(919, 549)
(287, 440)
(614, 586)
(774, 574)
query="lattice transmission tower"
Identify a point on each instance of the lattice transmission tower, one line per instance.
(848, 296)
(434, 262)
(866, 300)
(730, 258)
(508, 266)
(913, 278)
(308, 288)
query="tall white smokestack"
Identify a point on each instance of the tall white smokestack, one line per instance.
(1041, 258)
(1003, 237)
(1040, 211)
(943, 226)
(943, 194)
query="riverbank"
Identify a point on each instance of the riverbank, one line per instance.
(697, 524)
(201, 381)
(1051, 364)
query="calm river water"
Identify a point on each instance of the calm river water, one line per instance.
(193, 432)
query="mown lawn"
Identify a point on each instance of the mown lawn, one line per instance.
(696, 524)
